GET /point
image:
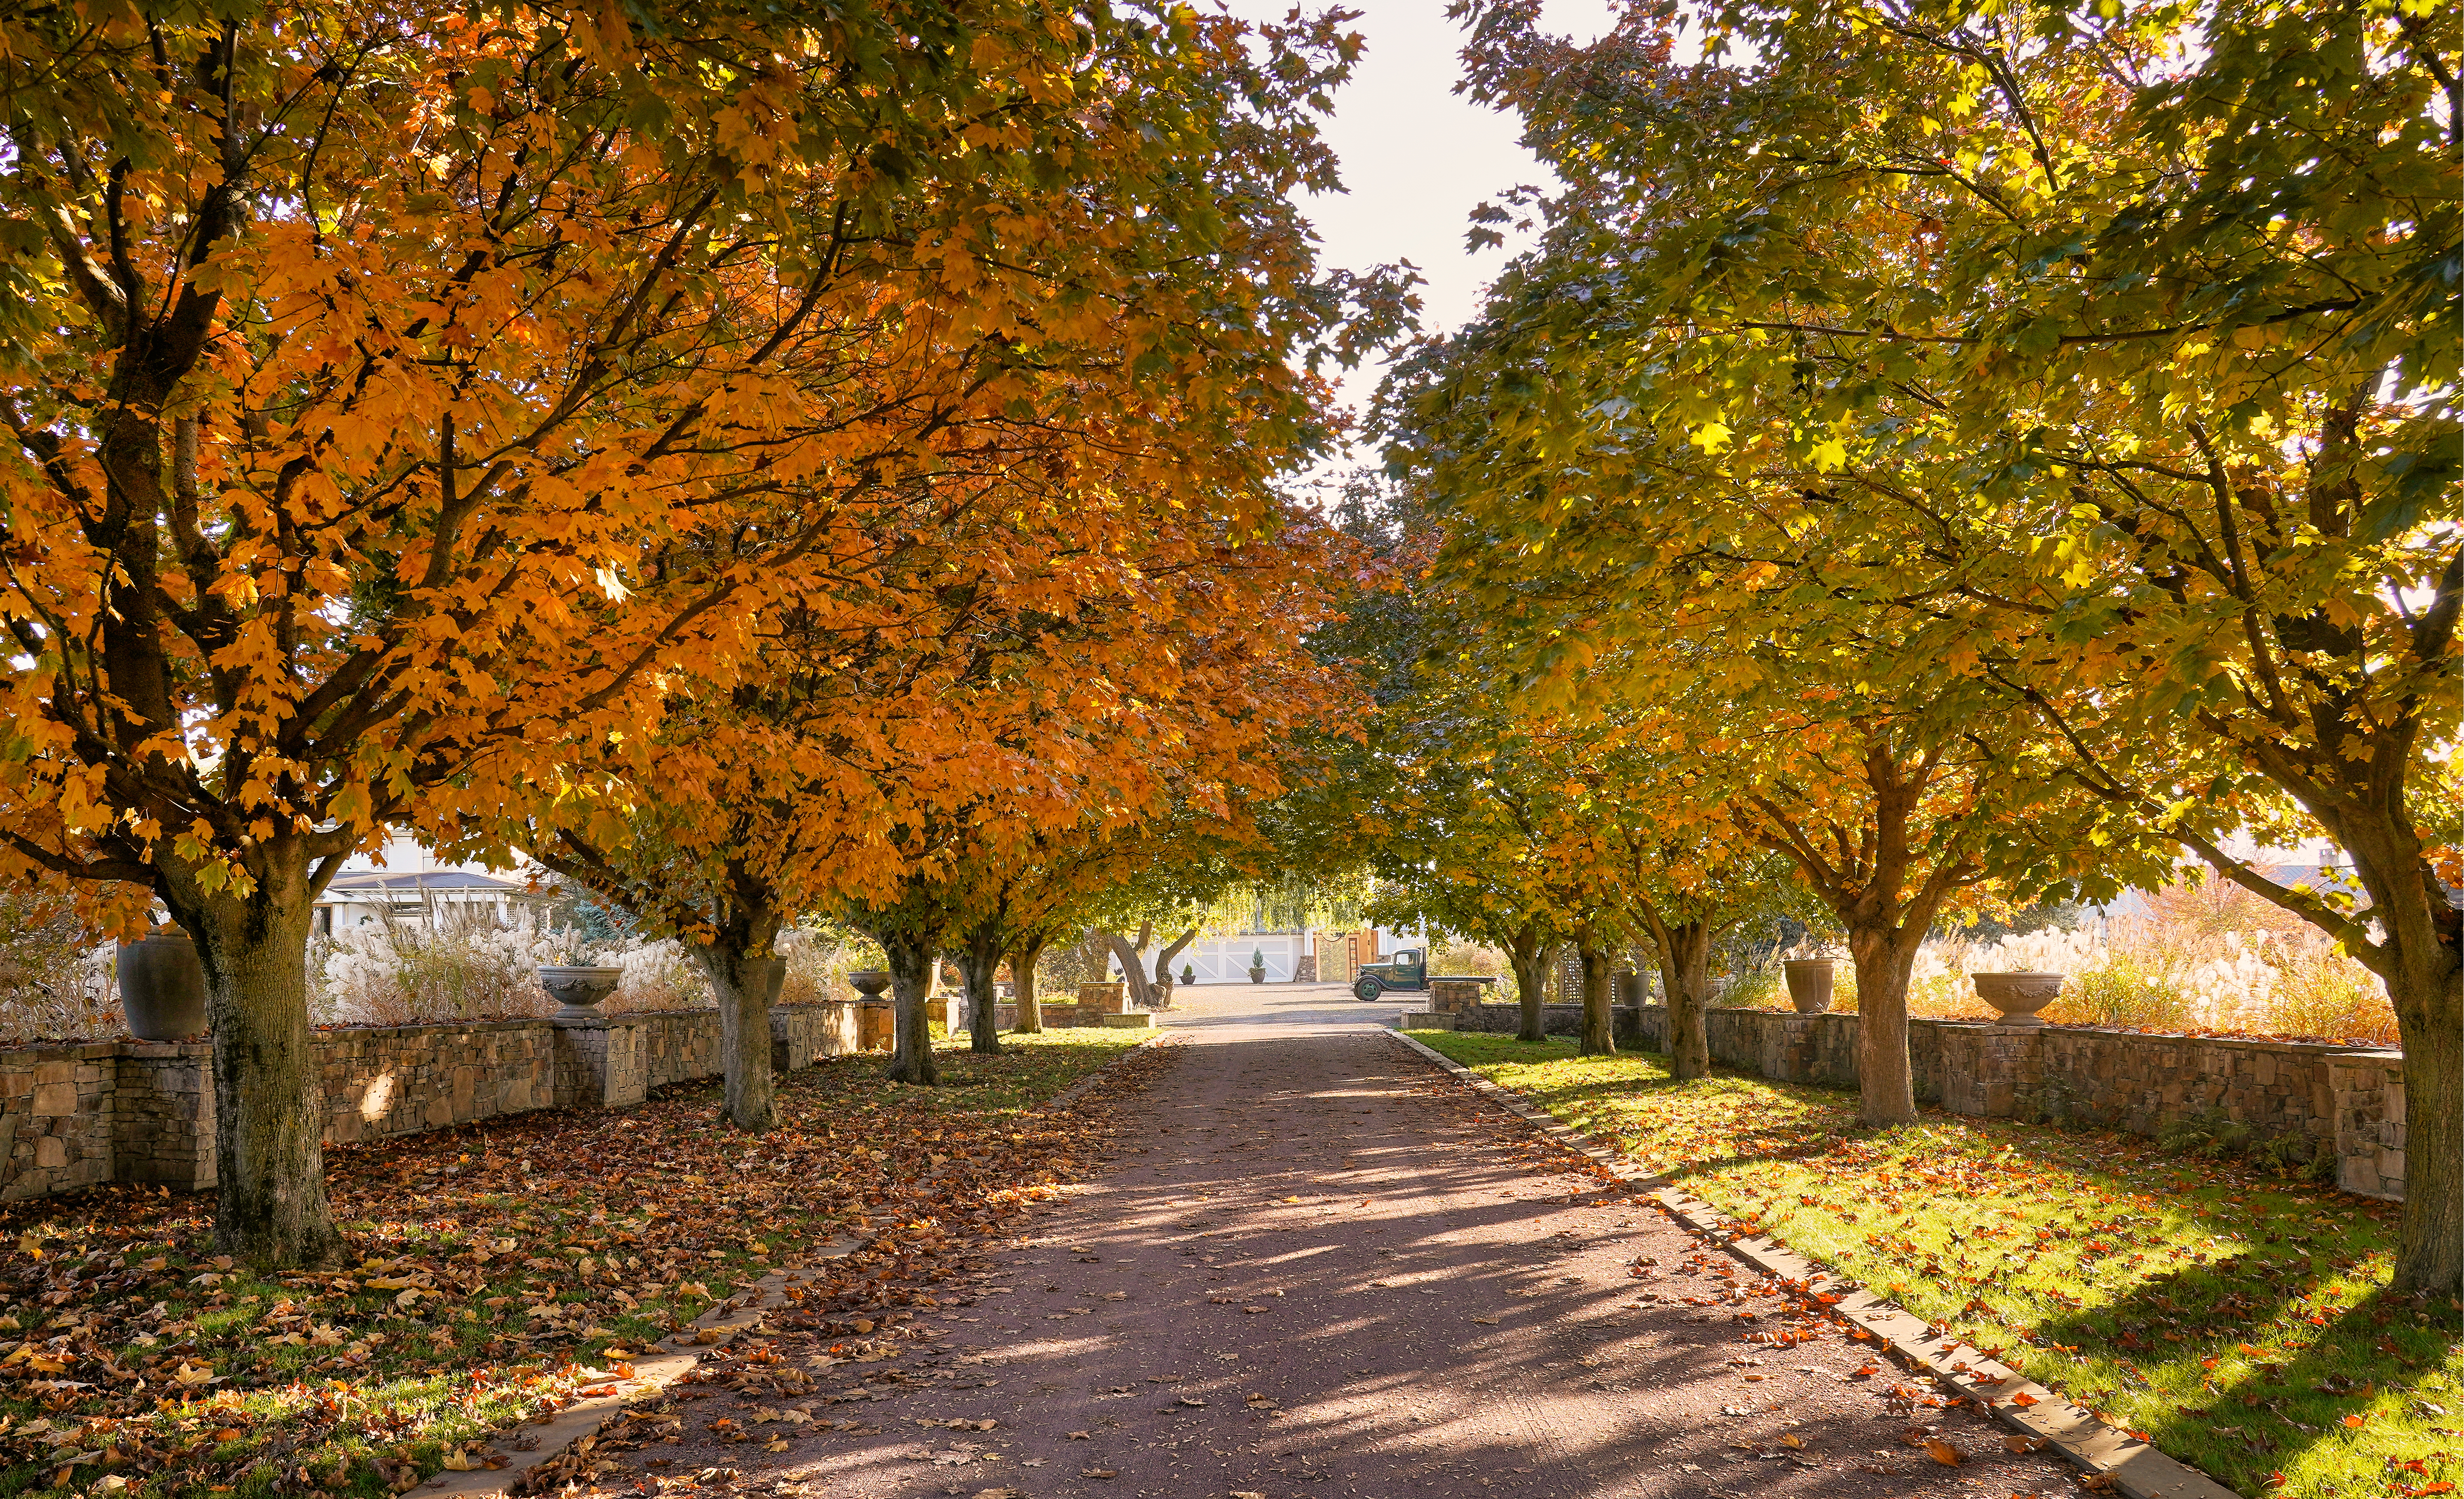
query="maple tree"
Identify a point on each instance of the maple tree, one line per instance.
(1028, 684)
(1500, 824)
(1689, 875)
(341, 495)
(1413, 795)
(2126, 325)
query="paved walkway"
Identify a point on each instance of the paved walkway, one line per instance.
(1321, 1267)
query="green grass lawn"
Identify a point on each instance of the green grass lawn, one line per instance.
(2239, 1321)
(499, 1270)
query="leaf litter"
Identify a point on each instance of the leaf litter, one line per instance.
(499, 1271)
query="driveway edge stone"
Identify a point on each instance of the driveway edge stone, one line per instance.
(2136, 1468)
(718, 1326)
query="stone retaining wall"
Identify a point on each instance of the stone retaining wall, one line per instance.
(2343, 1102)
(74, 1116)
(1556, 1020)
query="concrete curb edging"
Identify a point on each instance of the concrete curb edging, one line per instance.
(739, 1313)
(2136, 1468)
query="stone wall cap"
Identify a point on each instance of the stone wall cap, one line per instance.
(2232, 1043)
(350, 1033)
(61, 1051)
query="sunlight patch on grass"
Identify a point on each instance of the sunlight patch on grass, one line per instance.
(2240, 1322)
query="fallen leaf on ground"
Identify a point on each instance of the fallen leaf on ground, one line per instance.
(1943, 1452)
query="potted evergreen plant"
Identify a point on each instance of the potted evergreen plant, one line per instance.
(1258, 966)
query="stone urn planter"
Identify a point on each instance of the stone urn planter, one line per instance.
(577, 991)
(163, 987)
(1258, 966)
(1809, 984)
(2018, 996)
(870, 982)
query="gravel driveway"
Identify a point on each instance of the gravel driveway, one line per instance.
(1316, 1266)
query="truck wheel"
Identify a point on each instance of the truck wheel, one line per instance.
(1365, 989)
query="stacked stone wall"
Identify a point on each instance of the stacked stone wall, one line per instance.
(1626, 1023)
(76, 1116)
(56, 1118)
(2338, 1102)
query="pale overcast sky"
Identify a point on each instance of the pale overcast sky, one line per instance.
(1416, 157)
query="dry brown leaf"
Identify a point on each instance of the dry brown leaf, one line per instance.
(1943, 1452)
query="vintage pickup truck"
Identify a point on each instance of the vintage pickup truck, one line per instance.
(1407, 969)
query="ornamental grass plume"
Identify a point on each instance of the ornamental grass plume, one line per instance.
(2170, 974)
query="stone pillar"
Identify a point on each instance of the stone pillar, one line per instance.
(2367, 1090)
(163, 1116)
(599, 1062)
(876, 1025)
(1454, 995)
(1103, 999)
(1625, 1026)
(1995, 1070)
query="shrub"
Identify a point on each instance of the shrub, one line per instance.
(2175, 971)
(1756, 988)
(56, 982)
(1474, 959)
(401, 973)
(819, 961)
(2126, 990)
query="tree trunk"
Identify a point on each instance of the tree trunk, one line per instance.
(741, 966)
(268, 1108)
(2429, 1245)
(1163, 968)
(1684, 950)
(1599, 1025)
(1528, 952)
(2420, 958)
(1134, 968)
(1021, 971)
(911, 963)
(978, 959)
(1883, 957)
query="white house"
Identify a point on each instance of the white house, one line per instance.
(408, 883)
(1225, 958)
